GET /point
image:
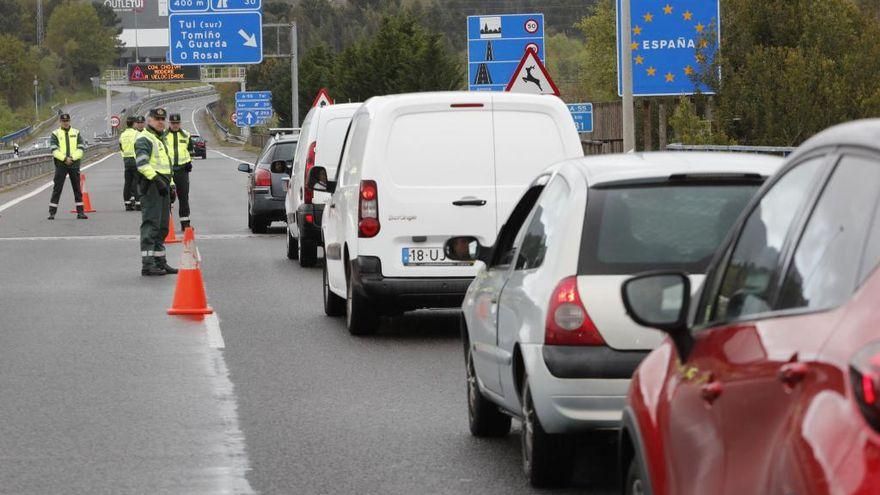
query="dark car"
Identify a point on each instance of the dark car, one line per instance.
(265, 187)
(200, 146)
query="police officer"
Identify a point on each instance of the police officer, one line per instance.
(126, 146)
(158, 192)
(67, 150)
(139, 123)
(180, 148)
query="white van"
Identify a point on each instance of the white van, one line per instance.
(322, 134)
(417, 169)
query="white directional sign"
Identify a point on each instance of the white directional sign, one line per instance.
(532, 77)
(215, 32)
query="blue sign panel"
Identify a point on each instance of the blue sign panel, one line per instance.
(188, 5)
(250, 118)
(670, 41)
(497, 43)
(177, 6)
(252, 107)
(216, 38)
(253, 95)
(252, 104)
(583, 116)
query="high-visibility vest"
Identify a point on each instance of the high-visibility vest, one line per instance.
(179, 149)
(126, 142)
(72, 138)
(159, 161)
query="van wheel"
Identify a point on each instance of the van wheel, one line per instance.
(635, 484)
(483, 416)
(308, 254)
(547, 459)
(292, 246)
(333, 304)
(360, 317)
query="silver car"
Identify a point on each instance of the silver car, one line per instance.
(546, 336)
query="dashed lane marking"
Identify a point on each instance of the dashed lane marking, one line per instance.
(10, 204)
(201, 237)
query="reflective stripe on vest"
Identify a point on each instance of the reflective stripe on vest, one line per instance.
(159, 159)
(178, 151)
(126, 141)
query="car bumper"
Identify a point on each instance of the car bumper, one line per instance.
(267, 206)
(571, 405)
(395, 295)
(310, 231)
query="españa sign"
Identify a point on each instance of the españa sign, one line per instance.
(163, 72)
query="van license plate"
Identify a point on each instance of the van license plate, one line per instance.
(425, 256)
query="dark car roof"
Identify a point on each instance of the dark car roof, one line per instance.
(858, 133)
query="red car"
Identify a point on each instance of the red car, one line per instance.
(770, 382)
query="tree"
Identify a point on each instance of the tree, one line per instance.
(76, 34)
(598, 63)
(17, 68)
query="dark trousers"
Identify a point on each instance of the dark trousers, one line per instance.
(61, 172)
(130, 187)
(181, 182)
(154, 222)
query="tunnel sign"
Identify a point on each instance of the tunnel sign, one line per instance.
(215, 32)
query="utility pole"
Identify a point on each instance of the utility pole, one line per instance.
(629, 128)
(36, 100)
(137, 58)
(294, 77)
(39, 22)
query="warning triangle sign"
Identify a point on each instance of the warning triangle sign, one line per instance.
(532, 77)
(137, 74)
(323, 99)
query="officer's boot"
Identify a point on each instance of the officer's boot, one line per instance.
(80, 213)
(162, 263)
(184, 224)
(149, 267)
(137, 206)
(128, 206)
(52, 211)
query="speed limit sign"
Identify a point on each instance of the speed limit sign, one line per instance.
(531, 26)
(114, 121)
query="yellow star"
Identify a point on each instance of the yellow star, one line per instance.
(651, 71)
(637, 30)
(634, 46)
(704, 43)
(689, 70)
(699, 27)
(700, 58)
(640, 60)
(670, 77)
(687, 15)
(668, 9)
(649, 17)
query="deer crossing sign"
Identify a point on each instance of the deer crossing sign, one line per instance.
(532, 77)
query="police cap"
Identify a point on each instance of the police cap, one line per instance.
(174, 117)
(140, 119)
(130, 119)
(64, 117)
(158, 113)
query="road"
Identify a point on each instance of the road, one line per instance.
(104, 392)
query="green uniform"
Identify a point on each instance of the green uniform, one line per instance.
(130, 192)
(66, 144)
(154, 166)
(180, 147)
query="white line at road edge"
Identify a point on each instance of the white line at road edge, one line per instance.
(196, 127)
(215, 336)
(45, 186)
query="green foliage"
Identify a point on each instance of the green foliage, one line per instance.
(564, 55)
(16, 64)
(598, 61)
(689, 128)
(76, 34)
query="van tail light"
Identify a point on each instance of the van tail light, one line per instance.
(567, 320)
(308, 192)
(865, 380)
(368, 209)
(262, 178)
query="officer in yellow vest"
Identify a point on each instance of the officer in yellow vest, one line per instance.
(67, 150)
(158, 192)
(180, 148)
(126, 147)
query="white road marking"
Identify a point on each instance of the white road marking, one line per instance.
(10, 204)
(193, 119)
(215, 336)
(126, 237)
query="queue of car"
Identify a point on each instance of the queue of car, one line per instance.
(565, 267)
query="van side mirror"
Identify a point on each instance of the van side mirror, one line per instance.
(661, 300)
(466, 249)
(317, 180)
(244, 167)
(278, 167)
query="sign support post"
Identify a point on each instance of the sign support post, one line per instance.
(629, 126)
(294, 77)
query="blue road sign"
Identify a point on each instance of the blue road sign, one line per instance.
(252, 107)
(188, 5)
(252, 104)
(583, 116)
(497, 43)
(244, 118)
(216, 38)
(177, 6)
(253, 95)
(670, 41)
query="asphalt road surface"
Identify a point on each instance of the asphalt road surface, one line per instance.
(103, 392)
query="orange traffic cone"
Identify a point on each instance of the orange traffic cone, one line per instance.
(87, 201)
(189, 295)
(171, 238)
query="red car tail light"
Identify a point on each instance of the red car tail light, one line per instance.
(368, 209)
(865, 380)
(308, 192)
(568, 322)
(262, 178)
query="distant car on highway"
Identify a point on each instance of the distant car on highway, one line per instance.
(200, 146)
(266, 184)
(769, 379)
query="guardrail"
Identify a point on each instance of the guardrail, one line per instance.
(771, 150)
(227, 136)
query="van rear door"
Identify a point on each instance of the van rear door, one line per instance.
(438, 182)
(529, 137)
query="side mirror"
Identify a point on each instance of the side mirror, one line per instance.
(244, 167)
(661, 300)
(465, 249)
(278, 167)
(317, 180)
